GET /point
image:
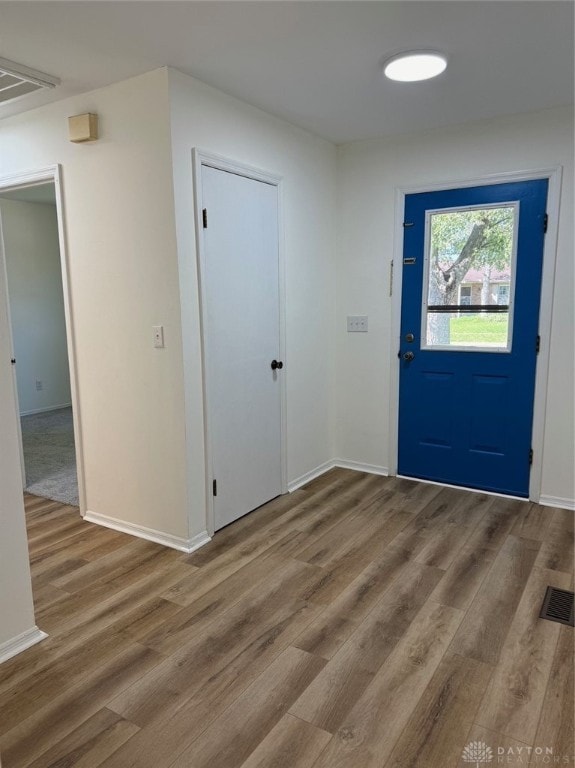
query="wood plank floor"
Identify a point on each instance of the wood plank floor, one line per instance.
(360, 621)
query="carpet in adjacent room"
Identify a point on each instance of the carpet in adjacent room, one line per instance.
(49, 455)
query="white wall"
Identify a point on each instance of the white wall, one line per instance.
(143, 451)
(16, 607)
(32, 253)
(206, 118)
(369, 173)
(121, 247)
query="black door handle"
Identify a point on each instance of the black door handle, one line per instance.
(277, 364)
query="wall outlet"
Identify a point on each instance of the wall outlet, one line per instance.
(158, 336)
(39, 385)
(357, 323)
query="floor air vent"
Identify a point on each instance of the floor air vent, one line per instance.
(558, 606)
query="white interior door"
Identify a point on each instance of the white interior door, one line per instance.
(242, 333)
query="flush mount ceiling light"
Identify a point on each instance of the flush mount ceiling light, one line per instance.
(412, 66)
(17, 80)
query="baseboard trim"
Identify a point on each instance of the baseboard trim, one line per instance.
(20, 643)
(374, 469)
(150, 534)
(371, 469)
(557, 501)
(309, 476)
(45, 410)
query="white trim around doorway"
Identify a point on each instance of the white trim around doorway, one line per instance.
(554, 175)
(53, 174)
(201, 158)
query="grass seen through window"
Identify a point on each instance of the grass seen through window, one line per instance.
(479, 330)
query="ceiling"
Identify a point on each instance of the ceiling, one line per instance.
(40, 193)
(315, 64)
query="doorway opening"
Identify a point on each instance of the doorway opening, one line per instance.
(35, 278)
(467, 377)
(542, 346)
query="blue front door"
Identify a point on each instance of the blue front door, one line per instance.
(469, 334)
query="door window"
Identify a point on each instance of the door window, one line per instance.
(469, 278)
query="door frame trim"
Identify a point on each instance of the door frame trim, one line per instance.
(202, 158)
(4, 291)
(47, 175)
(554, 176)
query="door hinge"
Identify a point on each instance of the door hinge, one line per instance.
(13, 361)
(545, 222)
(205, 218)
(530, 456)
(537, 344)
(214, 487)
(407, 224)
(391, 278)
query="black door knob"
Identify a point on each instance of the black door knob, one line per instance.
(277, 364)
(408, 356)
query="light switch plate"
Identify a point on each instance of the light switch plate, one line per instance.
(357, 323)
(158, 336)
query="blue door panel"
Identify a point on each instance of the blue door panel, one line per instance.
(465, 418)
(435, 428)
(489, 394)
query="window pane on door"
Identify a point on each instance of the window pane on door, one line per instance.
(469, 277)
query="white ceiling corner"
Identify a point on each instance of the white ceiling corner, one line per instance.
(315, 64)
